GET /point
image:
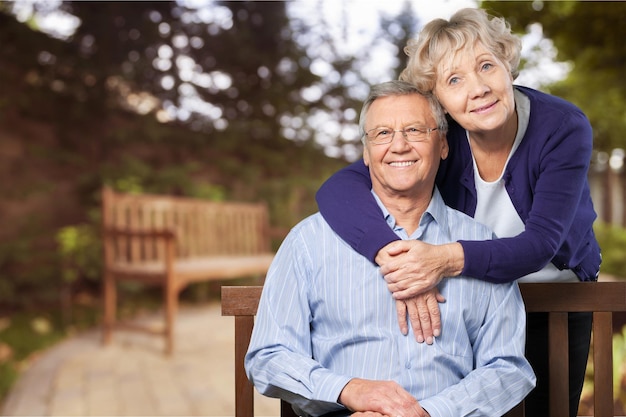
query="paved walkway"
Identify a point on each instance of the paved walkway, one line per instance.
(132, 377)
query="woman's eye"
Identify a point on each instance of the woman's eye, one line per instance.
(487, 66)
(453, 80)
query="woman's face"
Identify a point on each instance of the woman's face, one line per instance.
(476, 89)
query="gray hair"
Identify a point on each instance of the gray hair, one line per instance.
(440, 40)
(401, 88)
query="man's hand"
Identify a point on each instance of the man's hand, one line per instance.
(385, 397)
(412, 267)
(423, 313)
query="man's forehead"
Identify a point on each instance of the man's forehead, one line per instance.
(408, 107)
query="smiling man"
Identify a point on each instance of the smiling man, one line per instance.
(326, 337)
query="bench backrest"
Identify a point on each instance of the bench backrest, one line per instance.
(557, 299)
(201, 227)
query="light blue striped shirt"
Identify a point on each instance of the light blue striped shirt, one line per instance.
(326, 316)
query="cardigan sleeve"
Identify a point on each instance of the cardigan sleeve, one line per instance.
(348, 206)
(560, 165)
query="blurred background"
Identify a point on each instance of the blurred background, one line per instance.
(242, 100)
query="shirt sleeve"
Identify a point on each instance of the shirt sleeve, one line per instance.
(502, 377)
(286, 370)
(561, 168)
(348, 206)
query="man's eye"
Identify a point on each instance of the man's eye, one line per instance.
(412, 129)
(383, 132)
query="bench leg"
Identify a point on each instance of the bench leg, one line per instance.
(110, 303)
(171, 308)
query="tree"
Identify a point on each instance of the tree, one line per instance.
(589, 34)
(231, 100)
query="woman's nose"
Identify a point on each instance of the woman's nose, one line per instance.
(477, 86)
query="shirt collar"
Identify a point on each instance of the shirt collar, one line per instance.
(435, 212)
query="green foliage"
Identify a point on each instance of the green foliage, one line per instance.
(619, 368)
(80, 253)
(588, 34)
(8, 376)
(29, 274)
(612, 240)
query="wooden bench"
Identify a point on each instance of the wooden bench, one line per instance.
(557, 299)
(601, 298)
(242, 303)
(174, 241)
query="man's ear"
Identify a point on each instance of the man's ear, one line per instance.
(445, 149)
(366, 156)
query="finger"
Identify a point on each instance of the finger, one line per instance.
(424, 319)
(434, 314)
(415, 289)
(389, 267)
(398, 247)
(408, 405)
(416, 323)
(401, 312)
(390, 251)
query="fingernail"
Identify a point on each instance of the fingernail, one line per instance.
(420, 339)
(436, 332)
(429, 341)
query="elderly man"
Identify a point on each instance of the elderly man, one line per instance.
(326, 338)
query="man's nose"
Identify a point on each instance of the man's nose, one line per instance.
(399, 140)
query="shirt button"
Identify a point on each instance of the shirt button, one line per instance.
(407, 365)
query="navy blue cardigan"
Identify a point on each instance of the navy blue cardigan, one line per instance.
(546, 179)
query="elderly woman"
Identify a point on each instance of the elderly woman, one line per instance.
(518, 163)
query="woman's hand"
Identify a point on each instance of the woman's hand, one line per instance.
(412, 267)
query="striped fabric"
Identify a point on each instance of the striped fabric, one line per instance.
(327, 316)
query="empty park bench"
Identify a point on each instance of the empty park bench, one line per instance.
(557, 299)
(175, 241)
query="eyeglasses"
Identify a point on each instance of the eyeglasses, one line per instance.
(384, 135)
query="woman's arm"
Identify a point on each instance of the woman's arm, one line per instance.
(561, 166)
(346, 202)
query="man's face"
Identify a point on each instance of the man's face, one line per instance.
(403, 168)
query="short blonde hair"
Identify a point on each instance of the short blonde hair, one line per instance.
(440, 40)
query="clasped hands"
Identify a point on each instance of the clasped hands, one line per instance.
(412, 270)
